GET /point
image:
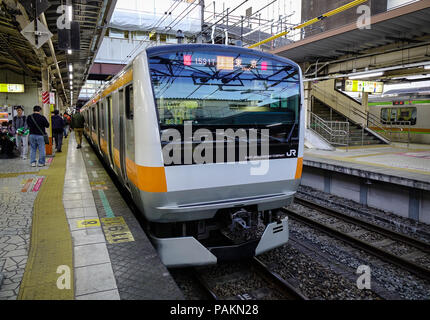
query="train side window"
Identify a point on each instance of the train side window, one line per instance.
(129, 102)
(384, 115)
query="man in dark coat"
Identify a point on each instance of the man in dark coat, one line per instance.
(58, 129)
(37, 124)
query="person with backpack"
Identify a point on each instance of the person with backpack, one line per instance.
(37, 124)
(22, 132)
(78, 123)
(67, 120)
(57, 129)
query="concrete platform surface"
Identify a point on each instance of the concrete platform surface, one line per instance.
(110, 256)
(407, 165)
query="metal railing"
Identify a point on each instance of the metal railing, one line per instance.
(333, 132)
(364, 119)
(399, 131)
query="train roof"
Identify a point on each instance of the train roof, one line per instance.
(177, 47)
(215, 47)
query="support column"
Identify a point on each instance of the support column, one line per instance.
(365, 103)
(46, 108)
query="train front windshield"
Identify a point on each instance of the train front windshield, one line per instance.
(214, 90)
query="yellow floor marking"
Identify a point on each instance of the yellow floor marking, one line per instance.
(88, 223)
(116, 230)
(51, 243)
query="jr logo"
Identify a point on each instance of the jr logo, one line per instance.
(292, 153)
(64, 281)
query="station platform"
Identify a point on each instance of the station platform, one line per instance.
(393, 177)
(67, 234)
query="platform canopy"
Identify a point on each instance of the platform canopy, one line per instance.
(18, 54)
(404, 26)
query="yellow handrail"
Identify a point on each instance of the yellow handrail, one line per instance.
(309, 22)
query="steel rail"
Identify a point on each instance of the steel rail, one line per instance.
(410, 266)
(421, 245)
(285, 286)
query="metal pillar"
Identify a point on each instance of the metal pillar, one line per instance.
(46, 108)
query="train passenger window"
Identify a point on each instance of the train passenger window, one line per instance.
(93, 110)
(129, 102)
(399, 116)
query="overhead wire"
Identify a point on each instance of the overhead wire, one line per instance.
(195, 3)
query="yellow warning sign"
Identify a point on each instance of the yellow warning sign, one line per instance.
(89, 223)
(116, 230)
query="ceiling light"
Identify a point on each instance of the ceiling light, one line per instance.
(69, 51)
(368, 75)
(71, 67)
(71, 76)
(427, 67)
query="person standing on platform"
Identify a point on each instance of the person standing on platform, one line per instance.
(67, 120)
(58, 130)
(22, 132)
(78, 122)
(37, 124)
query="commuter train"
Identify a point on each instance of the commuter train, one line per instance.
(209, 140)
(404, 117)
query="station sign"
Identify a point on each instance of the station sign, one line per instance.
(364, 86)
(11, 88)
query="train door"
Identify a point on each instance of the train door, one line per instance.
(122, 157)
(109, 131)
(129, 150)
(99, 124)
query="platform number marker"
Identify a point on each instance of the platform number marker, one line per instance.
(116, 230)
(89, 223)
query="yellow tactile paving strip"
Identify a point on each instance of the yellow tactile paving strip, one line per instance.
(51, 243)
(15, 175)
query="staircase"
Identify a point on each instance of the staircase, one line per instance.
(332, 106)
(358, 135)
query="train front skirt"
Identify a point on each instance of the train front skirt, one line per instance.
(187, 251)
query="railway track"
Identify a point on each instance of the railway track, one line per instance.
(382, 244)
(253, 280)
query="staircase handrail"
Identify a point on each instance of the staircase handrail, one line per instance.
(367, 118)
(327, 127)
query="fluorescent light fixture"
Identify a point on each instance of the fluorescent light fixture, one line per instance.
(71, 67)
(71, 83)
(368, 75)
(69, 51)
(427, 67)
(71, 76)
(418, 77)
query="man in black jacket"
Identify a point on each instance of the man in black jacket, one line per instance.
(37, 124)
(57, 129)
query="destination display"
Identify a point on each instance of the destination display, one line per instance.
(11, 88)
(364, 86)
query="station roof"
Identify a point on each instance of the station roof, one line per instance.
(17, 54)
(407, 24)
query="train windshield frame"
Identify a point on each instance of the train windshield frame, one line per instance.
(224, 89)
(216, 88)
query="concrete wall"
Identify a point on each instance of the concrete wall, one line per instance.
(28, 99)
(314, 8)
(404, 201)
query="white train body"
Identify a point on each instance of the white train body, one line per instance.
(186, 93)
